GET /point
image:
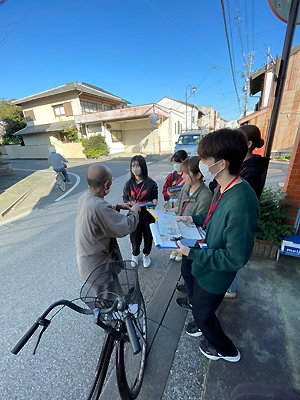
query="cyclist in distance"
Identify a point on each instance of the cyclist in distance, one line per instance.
(56, 161)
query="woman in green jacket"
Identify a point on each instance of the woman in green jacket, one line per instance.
(230, 225)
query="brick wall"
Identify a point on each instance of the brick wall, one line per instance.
(292, 181)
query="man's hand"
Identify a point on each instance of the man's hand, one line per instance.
(136, 208)
(186, 220)
(182, 249)
(124, 206)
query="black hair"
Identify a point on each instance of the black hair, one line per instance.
(179, 156)
(224, 144)
(142, 162)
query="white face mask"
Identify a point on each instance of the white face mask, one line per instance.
(208, 177)
(107, 191)
(136, 171)
(176, 167)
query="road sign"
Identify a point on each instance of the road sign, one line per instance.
(281, 8)
(154, 119)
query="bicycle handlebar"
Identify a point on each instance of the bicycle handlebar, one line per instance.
(40, 321)
(25, 338)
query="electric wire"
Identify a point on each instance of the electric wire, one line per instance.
(231, 38)
(230, 58)
(21, 20)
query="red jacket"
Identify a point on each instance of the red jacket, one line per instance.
(173, 179)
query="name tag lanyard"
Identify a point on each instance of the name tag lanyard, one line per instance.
(213, 205)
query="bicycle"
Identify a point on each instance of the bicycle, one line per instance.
(121, 315)
(60, 181)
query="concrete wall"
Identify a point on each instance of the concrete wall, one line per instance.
(43, 110)
(68, 150)
(27, 152)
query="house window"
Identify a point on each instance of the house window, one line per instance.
(88, 107)
(59, 109)
(116, 136)
(107, 107)
(29, 115)
(94, 128)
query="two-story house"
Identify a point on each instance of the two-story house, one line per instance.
(49, 113)
(93, 111)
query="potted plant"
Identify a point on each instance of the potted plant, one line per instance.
(271, 223)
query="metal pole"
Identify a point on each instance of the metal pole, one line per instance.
(290, 30)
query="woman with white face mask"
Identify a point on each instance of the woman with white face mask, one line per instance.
(141, 189)
(174, 178)
(230, 225)
(195, 198)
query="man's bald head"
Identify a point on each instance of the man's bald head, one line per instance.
(97, 175)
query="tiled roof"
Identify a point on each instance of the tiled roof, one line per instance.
(67, 87)
(56, 126)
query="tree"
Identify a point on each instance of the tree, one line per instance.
(14, 120)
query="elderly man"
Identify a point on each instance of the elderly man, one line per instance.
(98, 224)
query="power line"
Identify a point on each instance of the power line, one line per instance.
(2, 2)
(239, 29)
(228, 45)
(21, 20)
(231, 38)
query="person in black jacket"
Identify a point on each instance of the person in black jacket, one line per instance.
(254, 167)
(140, 188)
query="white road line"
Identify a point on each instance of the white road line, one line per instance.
(72, 188)
(33, 170)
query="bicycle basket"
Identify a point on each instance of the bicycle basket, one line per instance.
(109, 280)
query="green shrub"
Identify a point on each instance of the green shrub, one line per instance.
(95, 146)
(11, 140)
(272, 216)
(286, 156)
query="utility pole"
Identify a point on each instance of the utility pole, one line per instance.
(248, 65)
(280, 79)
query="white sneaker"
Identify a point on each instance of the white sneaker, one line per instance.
(230, 295)
(146, 260)
(178, 258)
(134, 261)
(173, 255)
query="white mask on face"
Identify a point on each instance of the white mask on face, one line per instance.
(176, 167)
(208, 177)
(107, 191)
(136, 171)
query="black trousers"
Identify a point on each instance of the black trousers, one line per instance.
(186, 272)
(205, 305)
(143, 229)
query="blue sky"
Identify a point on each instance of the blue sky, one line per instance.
(139, 50)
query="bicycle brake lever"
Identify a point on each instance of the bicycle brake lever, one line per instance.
(44, 323)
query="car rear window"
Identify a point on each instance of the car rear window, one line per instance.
(189, 139)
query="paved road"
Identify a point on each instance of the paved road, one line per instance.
(23, 168)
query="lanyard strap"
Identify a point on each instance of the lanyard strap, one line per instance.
(214, 204)
(182, 211)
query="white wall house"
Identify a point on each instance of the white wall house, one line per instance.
(191, 114)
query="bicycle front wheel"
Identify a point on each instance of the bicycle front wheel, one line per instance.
(129, 367)
(61, 181)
